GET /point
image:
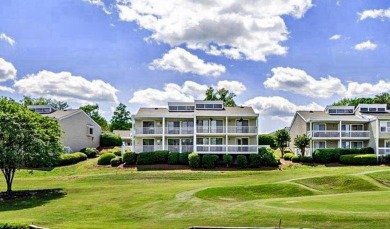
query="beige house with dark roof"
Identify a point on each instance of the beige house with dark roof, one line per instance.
(205, 127)
(80, 131)
(367, 125)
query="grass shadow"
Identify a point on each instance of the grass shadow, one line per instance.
(28, 198)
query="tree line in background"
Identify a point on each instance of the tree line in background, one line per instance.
(383, 98)
(121, 119)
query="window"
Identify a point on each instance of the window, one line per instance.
(216, 126)
(332, 111)
(199, 106)
(319, 145)
(345, 145)
(209, 106)
(202, 126)
(202, 141)
(187, 127)
(385, 126)
(381, 110)
(173, 127)
(372, 109)
(364, 109)
(90, 130)
(357, 127)
(356, 145)
(174, 145)
(217, 106)
(319, 127)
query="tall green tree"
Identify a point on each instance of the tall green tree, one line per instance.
(58, 105)
(121, 120)
(223, 95)
(302, 142)
(26, 139)
(282, 137)
(93, 112)
(383, 98)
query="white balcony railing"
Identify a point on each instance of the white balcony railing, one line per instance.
(147, 148)
(336, 134)
(179, 130)
(383, 150)
(211, 129)
(242, 129)
(183, 148)
(230, 149)
(148, 130)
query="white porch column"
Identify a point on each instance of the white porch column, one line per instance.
(163, 134)
(195, 128)
(340, 144)
(226, 134)
(377, 138)
(311, 141)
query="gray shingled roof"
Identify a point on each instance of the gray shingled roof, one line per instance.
(322, 115)
(227, 111)
(61, 113)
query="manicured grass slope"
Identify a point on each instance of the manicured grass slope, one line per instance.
(264, 191)
(99, 197)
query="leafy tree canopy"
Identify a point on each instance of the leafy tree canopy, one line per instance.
(223, 95)
(282, 137)
(93, 112)
(58, 105)
(26, 139)
(302, 142)
(121, 120)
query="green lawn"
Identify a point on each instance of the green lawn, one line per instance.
(302, 196)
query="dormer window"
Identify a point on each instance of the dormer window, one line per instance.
(340, 111)
(181, 108)
(372, 108)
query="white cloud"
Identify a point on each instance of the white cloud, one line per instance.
(356, 89)
(335, 37)
(367, 45)
(171, 92)
(233, 86)
(7, 39)
(380, 13)
(277, 107)
(6, 89)
(236, 29)
(7, 71)
(67, 87)
(100, 4)
(180, 60)
(299, 82)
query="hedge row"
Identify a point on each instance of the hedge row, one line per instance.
(72, 158)
(359, 159)
(333, 155)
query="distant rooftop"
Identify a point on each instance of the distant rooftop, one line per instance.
(41, 109)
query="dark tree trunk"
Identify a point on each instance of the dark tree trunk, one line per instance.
(9, 178)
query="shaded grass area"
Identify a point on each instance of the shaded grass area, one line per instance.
(28, 198)
(338, 184)
(253, 192)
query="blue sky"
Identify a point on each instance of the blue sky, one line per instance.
(277, 56)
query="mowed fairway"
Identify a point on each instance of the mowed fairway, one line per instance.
(302, 196)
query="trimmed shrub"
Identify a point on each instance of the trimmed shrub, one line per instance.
(116, 161)
(254, 160)
(110, 139)
(72, 158)
(359, 159)
(129, 158)
(227, 159)
(288, 156)
(326, 155)
(348, 151)
(146, 158)
(209, 161)
(367, 150)
(90, 152)
(183, 158)
(173, 158)
(161, 156)
(306, 159)
(267, 139)
(193, 160)
(105, 158)
(242, 161)
(268, 157)
(296, 159)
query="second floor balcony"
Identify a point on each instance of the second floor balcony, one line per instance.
(338, 134)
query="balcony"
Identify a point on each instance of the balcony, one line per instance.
(183, 148)
(229, 130)
(383, 150)
(226, 149)
(148, 130)
(242, 129)
(179, 130)
(337, 134)
(147, 148)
